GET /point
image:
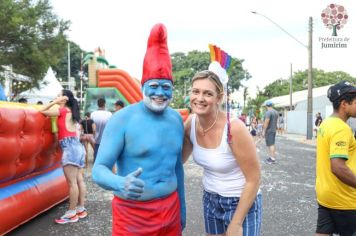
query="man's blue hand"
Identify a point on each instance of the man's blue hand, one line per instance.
(183, 219)
(133, 186)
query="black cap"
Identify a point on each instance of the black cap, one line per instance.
(336, 91)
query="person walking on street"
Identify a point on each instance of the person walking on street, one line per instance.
(253, 127)
(87, 128)
(269, 131)
(100, 118)
(243, 118)
(318, 120)
(73, 153)
(280, 124)
(232, 201)
(336, 165)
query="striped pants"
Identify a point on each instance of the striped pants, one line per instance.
(219, 210)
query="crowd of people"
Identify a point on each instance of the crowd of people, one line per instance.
(149, 143)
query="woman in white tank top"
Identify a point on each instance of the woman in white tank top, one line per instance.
(232, 201)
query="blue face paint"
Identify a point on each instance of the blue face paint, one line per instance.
(157, 94)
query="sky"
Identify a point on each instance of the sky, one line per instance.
(122, 29)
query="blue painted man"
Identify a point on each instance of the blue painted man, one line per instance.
(145, 140)
(2, 94)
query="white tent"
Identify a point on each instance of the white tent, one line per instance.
(49, 89)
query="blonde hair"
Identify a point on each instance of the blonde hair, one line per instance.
(214, 78)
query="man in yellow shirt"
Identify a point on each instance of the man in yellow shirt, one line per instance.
(336, 165)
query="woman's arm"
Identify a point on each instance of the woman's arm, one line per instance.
(45, 110)
(244, 151)
(187, 145)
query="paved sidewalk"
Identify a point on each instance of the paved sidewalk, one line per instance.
(289, 205)
(299, 138)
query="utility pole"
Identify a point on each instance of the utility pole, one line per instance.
(309, 47)
(69, 87)
(291, 88)
(310, 82)
(81, 79)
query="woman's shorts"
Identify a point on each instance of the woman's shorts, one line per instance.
(73, 152)
(87, 138)
(219, 210)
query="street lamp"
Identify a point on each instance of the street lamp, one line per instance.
(310, 67)
(81, 75)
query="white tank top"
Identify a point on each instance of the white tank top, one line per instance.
(222, 174)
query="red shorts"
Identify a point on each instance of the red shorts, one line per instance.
(158, 217)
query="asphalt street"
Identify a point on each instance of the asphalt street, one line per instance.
(289, 205)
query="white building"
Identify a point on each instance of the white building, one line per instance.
(296, 120)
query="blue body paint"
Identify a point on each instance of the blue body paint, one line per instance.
(2, 94)
(145, 141)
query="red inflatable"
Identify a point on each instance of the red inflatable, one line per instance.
(31, 177)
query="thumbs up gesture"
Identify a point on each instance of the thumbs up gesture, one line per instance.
(133, 186)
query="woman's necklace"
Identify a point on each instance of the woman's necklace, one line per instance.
(211, 126)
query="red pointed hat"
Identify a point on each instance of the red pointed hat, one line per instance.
(157, 63)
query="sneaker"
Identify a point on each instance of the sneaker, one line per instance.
(269, 160)
(82, 214)
(67, 218)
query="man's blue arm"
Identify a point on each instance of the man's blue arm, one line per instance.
(2, 94)
(180, 189)
(109, 149)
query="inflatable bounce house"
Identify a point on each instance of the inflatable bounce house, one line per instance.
(31, 177)
(112, 84)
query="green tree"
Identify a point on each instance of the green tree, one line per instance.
(280, 87)
(185, 66)
(255, 104)
(321, 78)
(61, 68)
(32, 38)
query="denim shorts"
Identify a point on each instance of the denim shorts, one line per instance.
(73, 152)
(219, 210)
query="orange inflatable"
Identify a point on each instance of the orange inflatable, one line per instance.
(126, 85)
(31, 177)
(122, 81)
(184, 113)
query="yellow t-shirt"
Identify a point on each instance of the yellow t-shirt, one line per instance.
(335, 140)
